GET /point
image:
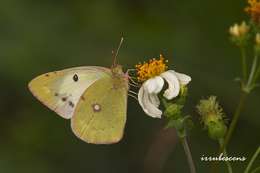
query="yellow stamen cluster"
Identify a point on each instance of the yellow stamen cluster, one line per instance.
(254, 10)
(151, 69)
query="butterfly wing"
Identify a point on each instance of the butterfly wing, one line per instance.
(100, 115)
(61, 90)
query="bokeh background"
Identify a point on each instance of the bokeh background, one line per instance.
(46, 35)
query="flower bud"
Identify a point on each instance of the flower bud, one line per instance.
(257, 38)
(239, 33)
(212, 117)
(217, 130)
(173, 111)
(257, 43)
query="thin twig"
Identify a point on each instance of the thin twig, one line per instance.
(252, 160)
(234, 120)
(257, 74)
(256, 170)
(253, 71)
(229, 167)
(188, 154)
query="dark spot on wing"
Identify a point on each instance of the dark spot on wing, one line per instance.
(64, 99)
(82, 98)
(71, 104)
(56, 94)
(47, 75)
(75, 78)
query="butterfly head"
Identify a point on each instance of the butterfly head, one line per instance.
(117, 70)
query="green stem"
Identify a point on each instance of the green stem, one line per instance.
(234, 120)
(243, 63)
(257, 74)
(229, 167)
(252, 73)
(256, 170)
(188, 154)
(252, 160)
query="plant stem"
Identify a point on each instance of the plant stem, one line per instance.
(234, 120)
(252, 160)
(256, 170)
(243, 63)
(252, 73)
(229, 167)
(188, 154)
(257, 73)
(228, 163)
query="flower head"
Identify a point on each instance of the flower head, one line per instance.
(153, 76)
(239, 30)
(254, 10)
(151, 69)
(212, 117)
(239, 33)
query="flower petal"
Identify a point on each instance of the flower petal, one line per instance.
(154, 100)
(183, 78)
(149, 103)
(174, 85)
(154, 85)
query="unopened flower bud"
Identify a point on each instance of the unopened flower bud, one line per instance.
(257, 43)
(216, 130)
(212, 117)
(173, 111)
(257, 38)
(239, 33)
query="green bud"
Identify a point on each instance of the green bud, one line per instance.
(183, 94)
(173, 111)
(217, 130)
(239, 33)
(212, 117)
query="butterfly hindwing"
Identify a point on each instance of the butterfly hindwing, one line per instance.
(100, 115)
(61, 90)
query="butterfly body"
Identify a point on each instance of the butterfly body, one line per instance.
(94, 98)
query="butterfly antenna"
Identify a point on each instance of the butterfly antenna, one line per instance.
(117, 51)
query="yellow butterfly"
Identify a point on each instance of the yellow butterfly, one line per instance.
(94, 98)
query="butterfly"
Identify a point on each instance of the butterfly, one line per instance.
(93, 98)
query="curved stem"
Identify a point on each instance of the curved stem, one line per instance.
(252, 160)
(188, 154)
(234, 121)
(256, 170)
(227, 162)
(229, 167)
(252, 72)
(257, 74)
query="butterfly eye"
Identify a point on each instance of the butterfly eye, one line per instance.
(75, 78)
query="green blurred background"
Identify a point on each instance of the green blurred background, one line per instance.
(47, 35)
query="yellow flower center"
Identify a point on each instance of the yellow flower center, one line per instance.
(254, 10)
(151, 69)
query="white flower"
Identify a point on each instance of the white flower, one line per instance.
(147, 95)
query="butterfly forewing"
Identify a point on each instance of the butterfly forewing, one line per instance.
(61, 90)
(100, 115)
